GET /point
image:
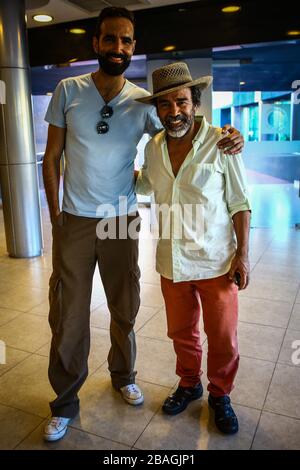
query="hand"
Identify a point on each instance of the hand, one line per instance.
(240, 264)
(233, 143)
(54, 217)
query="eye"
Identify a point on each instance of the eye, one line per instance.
(109, 39)
(128, 41)
(163, 105)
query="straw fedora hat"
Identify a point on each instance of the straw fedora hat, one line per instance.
(171, 78)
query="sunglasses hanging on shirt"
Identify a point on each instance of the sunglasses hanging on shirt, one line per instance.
(106, 112)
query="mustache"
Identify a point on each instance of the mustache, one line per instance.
(179, 117)
(116, 56)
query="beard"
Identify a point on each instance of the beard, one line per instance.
(181, 130)
(111, 68)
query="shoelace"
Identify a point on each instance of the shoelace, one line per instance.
(132, 388)
(55, 422)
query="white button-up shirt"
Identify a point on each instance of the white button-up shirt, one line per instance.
(195, 208)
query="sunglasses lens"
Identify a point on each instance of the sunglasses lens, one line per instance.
(106, 112)
(102, 127)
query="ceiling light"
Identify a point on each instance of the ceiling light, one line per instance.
(242, 83)
(293, 32)
(231, 9)
(169, 48)
(77, 31)
(43, 18)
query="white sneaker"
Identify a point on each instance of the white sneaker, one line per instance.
(56, 428)
(132, 394)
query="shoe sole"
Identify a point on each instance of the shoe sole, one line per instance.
(176, 412)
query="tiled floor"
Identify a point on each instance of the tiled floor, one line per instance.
(266, 396)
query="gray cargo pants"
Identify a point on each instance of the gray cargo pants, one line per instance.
(76, 250)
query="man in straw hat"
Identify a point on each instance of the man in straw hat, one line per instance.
(202, 252)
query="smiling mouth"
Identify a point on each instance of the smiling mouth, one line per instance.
(116, 60)
(176, 124)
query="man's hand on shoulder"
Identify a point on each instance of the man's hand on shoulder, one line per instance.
(233, 142)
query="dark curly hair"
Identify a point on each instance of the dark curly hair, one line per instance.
(112, 12)
(196, 96)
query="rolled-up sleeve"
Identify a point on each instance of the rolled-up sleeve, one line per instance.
(237, 195)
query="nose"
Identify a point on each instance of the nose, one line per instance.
(174, 109)
(118, 46)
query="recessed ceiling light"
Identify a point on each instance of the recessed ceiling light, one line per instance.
(169, 48)
(43, 18)
(77, 31)
(231, 9)
(293, 32)
(242, 83)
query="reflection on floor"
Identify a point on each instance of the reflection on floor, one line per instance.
(275, 202)
(266, 396)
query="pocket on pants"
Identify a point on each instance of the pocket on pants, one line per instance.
(55, 303)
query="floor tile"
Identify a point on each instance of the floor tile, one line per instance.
(295, 318)
(106, 414)
(26, 386)
(156, 361)
(150, 276)
(26, 332)
(6, 315)
(277, 432)
(151, 296)
(156, 327)
(12, 358)
(278, 272)
(23, 298)
(264, 312)
(271, 289)
(260, 342)
(283, 396)
(15, 426)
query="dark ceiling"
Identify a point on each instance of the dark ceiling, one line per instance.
(194, 28)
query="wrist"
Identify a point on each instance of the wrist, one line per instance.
(54, 214)
(243, 252)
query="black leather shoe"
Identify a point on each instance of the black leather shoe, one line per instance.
(225, 418)
(179, 400)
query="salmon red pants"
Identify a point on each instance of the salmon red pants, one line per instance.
(219, 300)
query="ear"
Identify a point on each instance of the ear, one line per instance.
(133, 46)
(95, 44)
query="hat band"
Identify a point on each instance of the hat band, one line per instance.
(171, 86)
